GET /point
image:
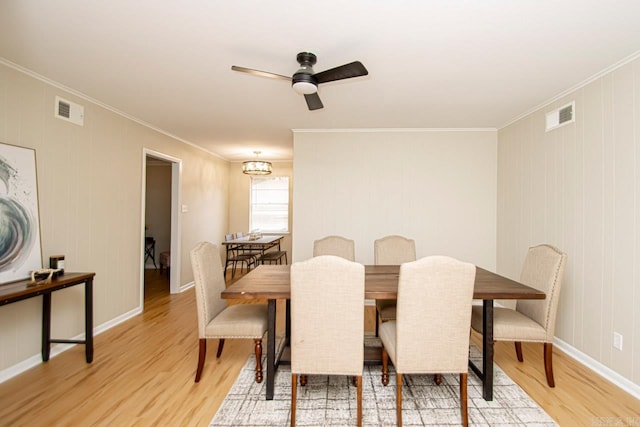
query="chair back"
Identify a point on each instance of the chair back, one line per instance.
(434, 315)
(543, 269)
(394, 250)
(335, 245)
(327, 316)
(209, 283)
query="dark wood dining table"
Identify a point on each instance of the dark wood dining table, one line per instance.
(272, 282)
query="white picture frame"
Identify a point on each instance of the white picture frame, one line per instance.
(20, 248)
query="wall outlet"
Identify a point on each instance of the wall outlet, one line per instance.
(617, 341)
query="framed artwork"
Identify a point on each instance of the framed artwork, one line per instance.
(20, 250)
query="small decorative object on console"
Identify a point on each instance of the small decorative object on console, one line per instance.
(56, 262)
(45, 273)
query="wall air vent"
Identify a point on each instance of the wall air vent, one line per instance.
(561, 116)
(67, 110)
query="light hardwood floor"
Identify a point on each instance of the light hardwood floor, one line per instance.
(143, 371)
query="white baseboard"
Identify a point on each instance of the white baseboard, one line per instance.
(56, 349)
(186, 286)
(600, 369)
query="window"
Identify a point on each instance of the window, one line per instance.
(269, 204)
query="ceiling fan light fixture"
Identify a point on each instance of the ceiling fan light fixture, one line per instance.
(256, 167)
(305, 88)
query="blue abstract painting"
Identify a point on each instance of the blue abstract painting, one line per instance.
(20, 251)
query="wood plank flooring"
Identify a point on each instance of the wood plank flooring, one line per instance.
(143, 371)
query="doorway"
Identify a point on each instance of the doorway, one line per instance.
(160, 223)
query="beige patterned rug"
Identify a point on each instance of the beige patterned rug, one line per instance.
(331, 401)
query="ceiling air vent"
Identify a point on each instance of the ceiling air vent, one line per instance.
(561, 116)
(67, 110)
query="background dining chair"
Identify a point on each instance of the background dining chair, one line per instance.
(327, 321)
(235, 256)
(391, 250)
(215, 319)
(532, 320)
(335, 245)
(430, 341)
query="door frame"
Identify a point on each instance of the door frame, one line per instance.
(176, 233)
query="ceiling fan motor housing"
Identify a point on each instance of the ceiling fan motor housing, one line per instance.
(304, 81)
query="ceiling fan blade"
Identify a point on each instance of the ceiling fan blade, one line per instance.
(313, 101)
(347, 71)
(260, 73)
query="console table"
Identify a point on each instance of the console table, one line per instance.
(25, 289)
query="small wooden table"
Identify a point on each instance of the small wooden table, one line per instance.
(24, 289)
(263, 243)
(272, 282)
(261, 246)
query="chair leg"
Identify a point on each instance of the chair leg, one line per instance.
(385, 366)
(220, 347)
(258, 351)
(463, 400)
(548, 365)
(518, 345)
(294, 392)
(437, 378)
(377, 320)
(399, 399)
(201, 356)
(359, 382)
(303, 380)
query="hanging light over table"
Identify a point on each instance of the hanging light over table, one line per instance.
(256, 167)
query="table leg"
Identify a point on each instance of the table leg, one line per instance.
(88, 319)
(46, 326)
(271, 349)
(288, 323)
(487, 349)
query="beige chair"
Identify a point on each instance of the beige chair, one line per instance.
(327, 322)
(391, 250)
(335, 245)
(215, 319)
(532, 320)
(430, 341)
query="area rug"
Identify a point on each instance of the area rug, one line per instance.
(331, 401)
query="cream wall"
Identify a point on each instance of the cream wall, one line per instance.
(437, 187)
(577, 188)
(239, 196)
(90, 201)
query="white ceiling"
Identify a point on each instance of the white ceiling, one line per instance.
(432, 64)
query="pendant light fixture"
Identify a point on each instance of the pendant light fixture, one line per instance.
(256, 167)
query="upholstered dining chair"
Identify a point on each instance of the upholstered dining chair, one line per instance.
(335, 245)
(215, 319)
(327, 322)
(531, 320)
(430, 341)
(391, 250)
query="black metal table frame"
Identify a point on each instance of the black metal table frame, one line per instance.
(65, 281)
(485, 375)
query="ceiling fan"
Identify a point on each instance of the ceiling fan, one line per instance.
(305, 81)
